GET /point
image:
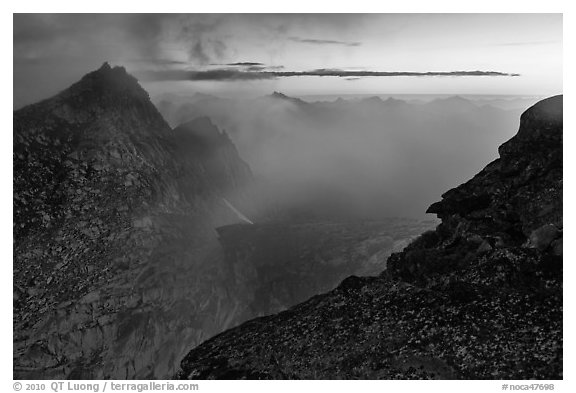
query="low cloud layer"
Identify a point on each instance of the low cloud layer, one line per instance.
(323, 42)
(245, 63)
(354, 158)
(254, 73)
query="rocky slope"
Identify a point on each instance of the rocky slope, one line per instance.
(478, 298)
(116, 261)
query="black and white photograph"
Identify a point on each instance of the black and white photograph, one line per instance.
(279, 196)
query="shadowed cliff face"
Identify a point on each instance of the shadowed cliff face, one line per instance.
(478, 298)
(116, 262)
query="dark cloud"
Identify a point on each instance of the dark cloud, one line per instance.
(256, 68)
(224, 74)
(248, 66)
(252, 66)
(245, 63)
(227, 74)
(344, 73)
(323, 42)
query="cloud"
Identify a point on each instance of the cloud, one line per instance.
(323, 42)
(245, 63)
(197, 52)
(223, 74)
(228, 74)
(248, 66)
(529, 43)
(252, 66)
(344, 73)
(158, 61)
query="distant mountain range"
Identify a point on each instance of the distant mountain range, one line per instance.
(351, 157)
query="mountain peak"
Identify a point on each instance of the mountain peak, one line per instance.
(105, 66)
(454, 99)
(374, 99)
(201, 124)
(391, 101)
(202, 133)
(277, 94)
(106, 78)
(453, 102)
(103, 95)
(281, 96)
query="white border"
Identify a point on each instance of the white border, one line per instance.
(296, 6)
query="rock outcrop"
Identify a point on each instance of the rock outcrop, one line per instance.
(116, 261)
(478, 298)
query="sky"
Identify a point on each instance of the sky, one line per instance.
(297, 54)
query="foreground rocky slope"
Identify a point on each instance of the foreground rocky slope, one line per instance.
(478, 298)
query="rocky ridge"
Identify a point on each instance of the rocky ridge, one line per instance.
(115, 258)
(480, 297)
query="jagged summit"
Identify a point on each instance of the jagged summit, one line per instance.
(200, 123)
(394, 102)
(378, 102)
(201, 135)
(373, 99)
(280, 95)
(105, 66)
(109, 97)
(109, 80)
(454, 101)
